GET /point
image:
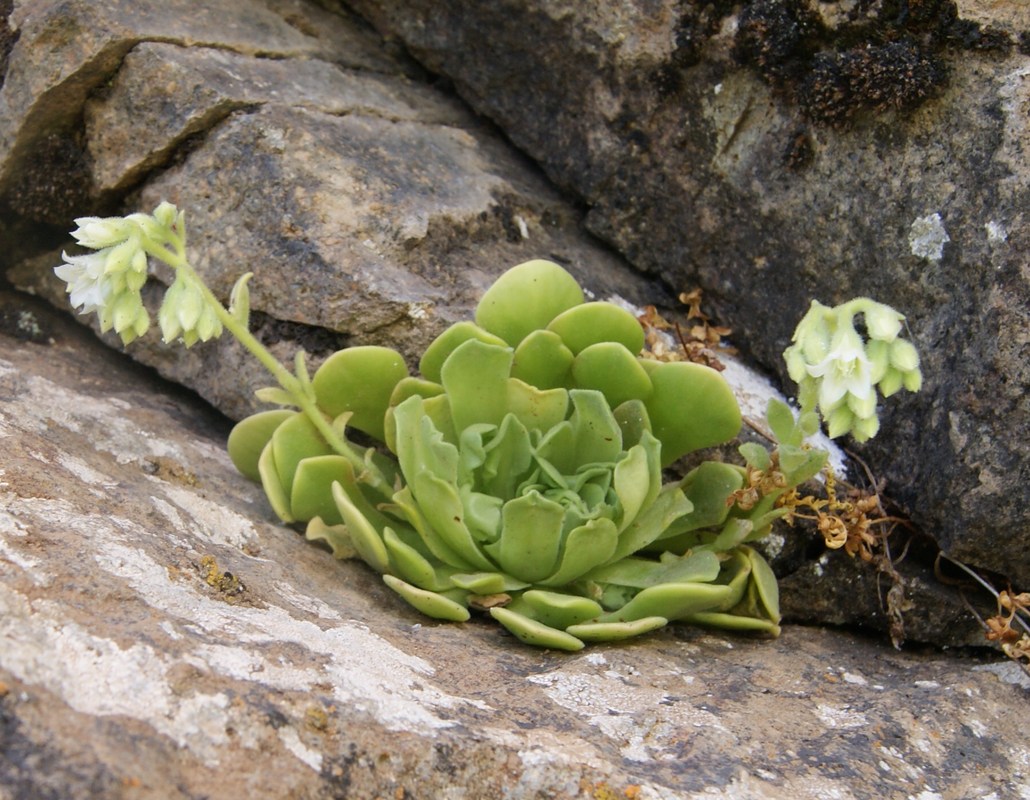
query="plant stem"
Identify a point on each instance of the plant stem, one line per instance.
(176, 259)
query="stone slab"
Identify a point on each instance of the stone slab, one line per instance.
(160, 637)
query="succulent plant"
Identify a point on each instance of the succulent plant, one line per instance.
(527, 478)
(521, 472)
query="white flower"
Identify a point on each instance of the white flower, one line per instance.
(845, 370)
(87, 281)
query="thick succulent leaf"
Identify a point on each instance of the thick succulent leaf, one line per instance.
(483, 583)
(609, 368)
(482, 513)
(531, 537)
(412, 386)
(420, 445)
(475, 377)
(672, 601)
(592, 323)
(764, 581)
(691, 406)
(542, 360)
(407, 563)
(732, 622)
(277, 495)
(432, 604)
(638, 478)
(708, 487)
(733, 533)
(640, 573)
(535, 633)
(311, 495)
(365, 538)
(525, 298)
(597, 438)
(586, 546)
(441, 506)
(447, 342)
(538, 409)
(506, 460)
(633, 421)
(249, 437)
(652, 522)
(615, 631)
(404, 504)
(294, 440)
(336, 536)
(360, 380)
(556, 609)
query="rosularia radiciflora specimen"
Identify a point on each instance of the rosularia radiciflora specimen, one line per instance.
(520, 474)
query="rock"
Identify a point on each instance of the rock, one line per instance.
(159, 638)
(776, 151)
(371, 207)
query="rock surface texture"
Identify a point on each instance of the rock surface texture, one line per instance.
(774, 151)
(158, 640)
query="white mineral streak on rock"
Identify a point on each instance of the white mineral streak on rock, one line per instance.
(840, 716)
(927, 237)
(639, 718)
(96, 675)
(209, 521)
(291, 741)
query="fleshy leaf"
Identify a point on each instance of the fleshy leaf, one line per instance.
(364, 537)
(596, 435)
(294, 440)
(556, 609)
(432, 604)
(360, 380)
(336, 536)
(732, 622)
(542, 360)
(672, 601)
(586, 546)
(535, 633)
(531, 535)
(591, 323)
(447, 342)
(249, 437)
(525, 298)
(311, 494)
(612, 370)
(475, 377)
(640, 573)
(538, 409)
(277, 495)
(615, 631)
(691, 407)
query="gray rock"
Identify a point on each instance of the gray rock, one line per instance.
(372, 207)
(817, 170)
(162, 639)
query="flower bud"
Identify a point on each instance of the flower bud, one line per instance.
(97, 233)
(904, 356)
(165, 214)
(892, 382)
(882, 322)
(839, 421)
(865, 429)
(863, 407)
(878, 352)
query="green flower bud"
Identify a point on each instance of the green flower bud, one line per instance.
(903, 355)
(882, 322)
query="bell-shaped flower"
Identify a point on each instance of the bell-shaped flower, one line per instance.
(87, 284)
(844, 371)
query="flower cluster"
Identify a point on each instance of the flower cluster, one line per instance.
(838, 371)
(109, 280)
